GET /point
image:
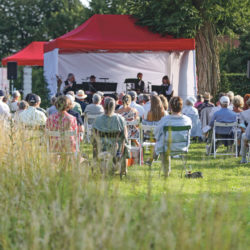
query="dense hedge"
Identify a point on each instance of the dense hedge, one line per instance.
(238, 83)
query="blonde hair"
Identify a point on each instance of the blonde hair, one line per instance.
(157, 110)
(126, 100)
(238, 101)
(63, 103)
(164, 101)
(109, 106)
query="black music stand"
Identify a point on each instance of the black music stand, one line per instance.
(130, 81)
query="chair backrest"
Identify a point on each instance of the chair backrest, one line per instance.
(147, 132)
(88, 117)
(184, 140)
(61, 138)
(205, 118)
(135, 123)
(225, 124)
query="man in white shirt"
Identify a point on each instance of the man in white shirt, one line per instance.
(134, 105)
(4, 108)
(32, 116)
(15, 100)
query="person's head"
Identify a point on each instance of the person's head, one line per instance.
(156, 109)
(133, 95)
(16, 95)
(92, 78)
(146, 98)
(72, 100)
(224, 101)
(109, 106)
(71, 77)
(80, 95)
(207, 96)
(33, 100)
(2, 94)
(62, 103)
(199, 98)
(164, 101)
(139, 75)
(230, 94)
(53, 100)
(246, 97)
(176, 104)
(153, 93)
(116, 98)
(190, 101)
(96, 99)
(101, 94)
(5, 99)
(121, 96)
(126, 100)
(238, 101)
(23, 105)
(248, 103)
(27, 97)
(165, 80)
(140, 99)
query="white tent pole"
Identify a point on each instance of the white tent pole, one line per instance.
(27, 80)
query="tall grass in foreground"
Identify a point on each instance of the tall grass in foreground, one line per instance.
(48, 206)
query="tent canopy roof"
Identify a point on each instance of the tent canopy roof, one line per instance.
(116, 33)
(32, 55)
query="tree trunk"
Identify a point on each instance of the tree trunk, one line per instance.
(207, 59)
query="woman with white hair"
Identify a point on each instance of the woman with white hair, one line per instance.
(190, 111)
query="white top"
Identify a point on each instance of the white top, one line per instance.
(245, 116)
(13, 106)
(138, 107)
(4, 110)
(32, 117)
(146, 107)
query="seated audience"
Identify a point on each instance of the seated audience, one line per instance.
(206, 103)
(146, 106)
(130, 114)
(164, 101)
(22, 105)
(76, 106)
(4, 108)
(198, 101)
(14, 102)
(246, 97)
(238, 103)
(62, 121)
(52, 109)
(245, 115)
(190, 111)
(32, 116)
(38, 106)
(134, 105)
(245, 139)
(81, 99)
(156, 111)
(175, 119)
(116, 98)
(110, 122)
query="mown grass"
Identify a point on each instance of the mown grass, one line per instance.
(48, 206)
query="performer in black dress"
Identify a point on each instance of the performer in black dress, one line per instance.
(167, 88)
(139, 85)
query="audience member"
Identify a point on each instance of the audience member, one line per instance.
(95, 108)
(4, 108)
(22, 105)
(245, 138)
(81, 99)
(238, 103)
(32, 116)
(245, 115)
(164, 101)
(206, 102)
(52, 109)
(130, 114)
(246, 97)
(230, 95)
(14, 102)
(76, 106)
(38, 106)
(146, 106)
(190, 111)
(134, 105)
(198, 101)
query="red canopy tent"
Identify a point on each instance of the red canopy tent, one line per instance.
(116, 33)
(32, 55)
(114, 47)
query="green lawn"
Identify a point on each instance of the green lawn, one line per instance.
(43, 206)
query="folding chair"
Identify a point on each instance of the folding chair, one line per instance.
(108, 149)
(88, 126)
(137, 138)
(232, 125)
(146, 130)
(173, 139)
(60, 142)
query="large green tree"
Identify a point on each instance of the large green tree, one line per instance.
(203, 20)
(24, 21)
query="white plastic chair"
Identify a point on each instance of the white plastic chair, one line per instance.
(88, 126)
(232, 125)
(61, 138)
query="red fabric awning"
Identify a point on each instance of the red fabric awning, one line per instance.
(116, 33)
(32, 55)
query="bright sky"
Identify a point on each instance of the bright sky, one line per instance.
(85, 2)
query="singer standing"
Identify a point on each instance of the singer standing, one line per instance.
(69, 84)
(167, 88)
(139, 85)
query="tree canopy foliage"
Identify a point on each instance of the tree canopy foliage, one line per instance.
(24, 21)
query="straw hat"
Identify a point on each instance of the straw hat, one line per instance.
(207, 96)
(81, 95)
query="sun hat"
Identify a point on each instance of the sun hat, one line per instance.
(207, 96)
(191, 99)
(80, 95)
(224, 100)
